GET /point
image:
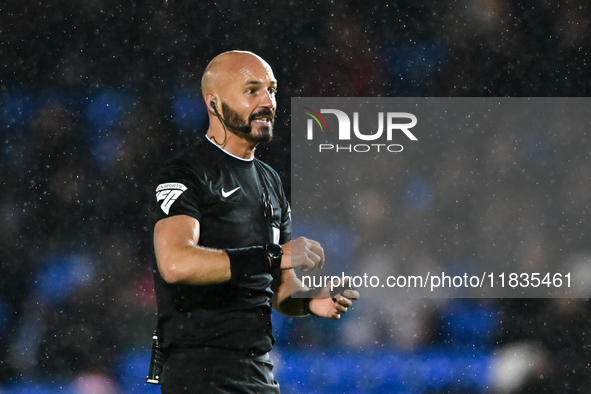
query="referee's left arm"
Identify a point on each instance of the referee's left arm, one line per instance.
(292, 298)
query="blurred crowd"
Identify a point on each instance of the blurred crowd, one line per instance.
(94, 95)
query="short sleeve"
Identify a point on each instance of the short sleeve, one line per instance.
(174, 192)
(285, 235)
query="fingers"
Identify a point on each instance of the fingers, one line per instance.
(326, 307)
(312, 261)
(306, 254)
(315, 252)
(341, 305)
(343, 288)
(351, 294)
(344, 302)
(341, 308)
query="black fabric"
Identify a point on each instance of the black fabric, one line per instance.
(225, 195)
(214, 372)
(246, 262)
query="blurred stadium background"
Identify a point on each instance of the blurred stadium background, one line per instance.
(95, 94)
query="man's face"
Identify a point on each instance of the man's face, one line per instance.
(265, 132)
(248, 99)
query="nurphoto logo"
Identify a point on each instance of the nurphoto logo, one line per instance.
(396, 124)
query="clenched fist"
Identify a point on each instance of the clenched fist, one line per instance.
(304, 253)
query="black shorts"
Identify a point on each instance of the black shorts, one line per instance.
(215, 371)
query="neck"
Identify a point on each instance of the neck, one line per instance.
(232, 143)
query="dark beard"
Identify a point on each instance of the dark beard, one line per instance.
(232, 118)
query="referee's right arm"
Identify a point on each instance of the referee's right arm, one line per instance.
(182, 260)
(179, 257)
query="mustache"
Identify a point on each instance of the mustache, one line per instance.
(262, 112)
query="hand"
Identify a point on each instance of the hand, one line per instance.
(333, 308)
(304, 253)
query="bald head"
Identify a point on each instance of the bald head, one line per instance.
(231, 67)
(239, 91)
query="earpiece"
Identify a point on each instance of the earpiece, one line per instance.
(212, 103)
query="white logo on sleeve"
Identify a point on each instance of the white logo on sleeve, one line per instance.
(169, 192)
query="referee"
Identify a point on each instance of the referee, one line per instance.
(222, 239)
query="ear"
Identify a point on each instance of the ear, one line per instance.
(211, 101)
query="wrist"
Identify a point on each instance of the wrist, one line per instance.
(275, 253)
(247, 262)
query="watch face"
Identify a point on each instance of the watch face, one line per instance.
(275, 250)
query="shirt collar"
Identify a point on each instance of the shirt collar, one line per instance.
(226, 152)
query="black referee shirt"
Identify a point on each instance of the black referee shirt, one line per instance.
(226, 195)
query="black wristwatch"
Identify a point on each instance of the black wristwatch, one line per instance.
(275, 252)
